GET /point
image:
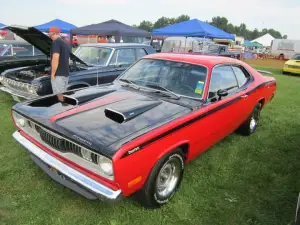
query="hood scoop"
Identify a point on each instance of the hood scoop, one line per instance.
(126, 111)
(87, 94)
(72, 98)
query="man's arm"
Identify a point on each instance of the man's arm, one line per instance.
(55, 59)
(54, 65)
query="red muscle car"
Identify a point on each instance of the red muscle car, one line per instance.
(136, 134)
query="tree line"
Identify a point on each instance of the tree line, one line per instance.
(220, 22)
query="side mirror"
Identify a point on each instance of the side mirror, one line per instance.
(222, 93)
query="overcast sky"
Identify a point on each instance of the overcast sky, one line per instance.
(282, 15)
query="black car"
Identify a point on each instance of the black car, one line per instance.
(91, 64)
(19, 53)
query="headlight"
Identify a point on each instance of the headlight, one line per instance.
(105, 164)
(31, 89)
(86, 154)
(19, 120)
(286, 65)
(1, 78)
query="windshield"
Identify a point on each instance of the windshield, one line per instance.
(19, 50)
(213, 48)
(181, 78)
(89, 55)
(296, 57)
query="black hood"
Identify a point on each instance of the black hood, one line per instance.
(38, 39)
(106, 117)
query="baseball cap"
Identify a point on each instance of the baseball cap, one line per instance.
(54, 30)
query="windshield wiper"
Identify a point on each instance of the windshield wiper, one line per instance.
(129, 82)
(156, 86)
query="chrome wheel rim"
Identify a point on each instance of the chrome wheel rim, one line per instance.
(168, 177)
(252, 123)
(255, 118)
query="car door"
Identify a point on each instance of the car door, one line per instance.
(225, 113)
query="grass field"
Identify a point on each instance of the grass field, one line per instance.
(240, 181)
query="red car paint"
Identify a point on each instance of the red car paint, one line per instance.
(213, 122)
(215, 127)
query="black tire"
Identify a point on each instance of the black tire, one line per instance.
(149, 196)
(284, 72)
(250, 125)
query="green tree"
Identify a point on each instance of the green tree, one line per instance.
(230, 29)
(255, 34)
(146, 25)
(182, 18)
(161, 22)
(220, 22)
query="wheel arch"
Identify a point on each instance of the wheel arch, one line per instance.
(184, 145)
(262, 101)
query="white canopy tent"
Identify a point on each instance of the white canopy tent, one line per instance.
(265, 40)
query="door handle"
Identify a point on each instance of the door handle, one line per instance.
(244, 96)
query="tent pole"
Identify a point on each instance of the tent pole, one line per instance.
(185, 44)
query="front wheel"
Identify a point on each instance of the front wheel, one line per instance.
(163, 181)
(250, 125)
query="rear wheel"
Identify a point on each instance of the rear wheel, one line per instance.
(163, 181)
(251, 123)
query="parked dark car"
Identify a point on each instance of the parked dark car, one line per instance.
(91, 64)
(19, 53)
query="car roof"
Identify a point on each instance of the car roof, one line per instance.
(115, 45)
(205, 60)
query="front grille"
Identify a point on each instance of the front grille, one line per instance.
(18, 86)
(58, 143)
(294, 67)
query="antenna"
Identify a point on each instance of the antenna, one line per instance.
(97, 71)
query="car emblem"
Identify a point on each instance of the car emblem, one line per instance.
(82, 140)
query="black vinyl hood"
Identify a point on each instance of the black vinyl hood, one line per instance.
(38, 39)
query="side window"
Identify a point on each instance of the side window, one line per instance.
(240, 75)
(140, 53)
(222, 78)
(126, 56)
(123, 57)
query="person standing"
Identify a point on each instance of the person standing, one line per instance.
(60, 54)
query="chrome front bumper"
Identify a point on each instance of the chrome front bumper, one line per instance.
(17, 94)
(76, 181)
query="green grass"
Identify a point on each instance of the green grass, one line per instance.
(240, 181)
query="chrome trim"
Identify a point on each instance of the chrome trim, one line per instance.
(92, 166)
(17, 93)
(76, 176)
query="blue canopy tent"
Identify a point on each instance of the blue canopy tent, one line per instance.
(193, 28)
(62, 25)
(2, 25)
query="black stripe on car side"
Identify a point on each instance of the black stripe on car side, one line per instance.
(143, 145)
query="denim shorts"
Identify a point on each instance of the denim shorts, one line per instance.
(59, 85)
